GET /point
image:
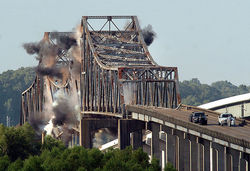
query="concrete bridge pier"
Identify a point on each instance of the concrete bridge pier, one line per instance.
(171, 145)
(155, 150)
(89, 125)
(195, 153)
(219, 157)
(205, 153)
(233, 159)
(178, 149)
(183, 151)
(244, 161)
(127, 126)
(136, 139)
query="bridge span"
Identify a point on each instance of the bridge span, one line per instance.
(191, 146)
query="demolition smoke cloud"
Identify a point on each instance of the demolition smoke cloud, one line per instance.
(64, 110)
(64, 41)
(104, 136)
(49, 71)
(148, 34)
(61, 110)
(42, 49)
(36, 120)
(66, 114)
(32, 48)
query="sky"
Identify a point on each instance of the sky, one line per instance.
(208, 40)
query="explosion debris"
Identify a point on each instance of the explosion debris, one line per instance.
(64, 111)
(41, 49)
(64, 41)
(148, 34)
(55, 72)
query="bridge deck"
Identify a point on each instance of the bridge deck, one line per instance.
(181, 116)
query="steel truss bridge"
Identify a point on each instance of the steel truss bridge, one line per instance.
(119, 86)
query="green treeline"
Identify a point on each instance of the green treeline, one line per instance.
(13, 83)
(21, 149)
(194, 93)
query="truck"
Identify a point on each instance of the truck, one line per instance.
(226, 119)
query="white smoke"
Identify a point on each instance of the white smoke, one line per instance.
(129, 90)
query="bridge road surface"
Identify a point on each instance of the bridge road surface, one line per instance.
(239, 132)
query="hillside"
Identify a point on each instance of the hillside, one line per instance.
(14, 82)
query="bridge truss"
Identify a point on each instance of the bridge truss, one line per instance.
(116, 69)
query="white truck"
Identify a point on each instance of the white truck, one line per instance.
(226, 119)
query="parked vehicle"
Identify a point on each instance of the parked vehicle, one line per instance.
(198, 117)
(226, 119)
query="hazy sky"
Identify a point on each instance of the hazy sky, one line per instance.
(205, 39)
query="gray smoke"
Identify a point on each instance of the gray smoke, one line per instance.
(148, 34)
(32, 48)
(37, 121)
(41, 49)
(67, 135)
(65, 115)
(64, 112)
(53, 71)
(63, 40)
(104, 136)
(75, 67)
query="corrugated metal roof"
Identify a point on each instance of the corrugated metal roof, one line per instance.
(226, 101)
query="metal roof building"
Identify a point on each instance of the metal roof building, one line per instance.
(238, 105)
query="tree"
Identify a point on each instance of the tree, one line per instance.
(50, 143)
(169, 167)
(4, 162)
(18, 142)
(16, 165)
(32, 163)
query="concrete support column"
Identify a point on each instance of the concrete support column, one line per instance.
(245, 161)
(76, 139)
(205, 152)
(233, 159)
(136, 141)
(85, 137)
(220, 157)
(183, 151)
(171, 149)
(155, 150)
(171, 145)
(194, 156)
(127, 126)
(89, 125)
(214, 160)
(72, 139)
(123, 134)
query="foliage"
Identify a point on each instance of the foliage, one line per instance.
(194, 93)
(18, 142)
(12, 84)
(4, 162)
(50, 142)
(169, 167)
(21, 150)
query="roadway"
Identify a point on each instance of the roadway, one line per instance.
(182, 114)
